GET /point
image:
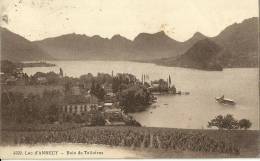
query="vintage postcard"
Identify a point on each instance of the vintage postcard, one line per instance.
(87, 79)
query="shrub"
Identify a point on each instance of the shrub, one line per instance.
(224, 122)
(244, 124)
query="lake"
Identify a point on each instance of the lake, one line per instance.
(181, 111)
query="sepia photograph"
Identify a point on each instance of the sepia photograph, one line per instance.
(157, 79)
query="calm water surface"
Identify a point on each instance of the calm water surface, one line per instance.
(186, 111)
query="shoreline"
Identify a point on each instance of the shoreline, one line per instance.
(37, 64)
(140, 61)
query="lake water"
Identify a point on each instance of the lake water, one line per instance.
(181, 111)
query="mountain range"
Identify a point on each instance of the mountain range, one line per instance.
(144, 47)
(237, 47)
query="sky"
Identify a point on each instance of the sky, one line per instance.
(179, 19)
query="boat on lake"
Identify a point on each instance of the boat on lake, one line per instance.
(225, 101)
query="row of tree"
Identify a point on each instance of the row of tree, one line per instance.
(9, 67)
(229, 122)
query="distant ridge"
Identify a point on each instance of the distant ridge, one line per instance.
(75, 46)
(17, 48)
(144, 47)
(241, 39)
(238, 43)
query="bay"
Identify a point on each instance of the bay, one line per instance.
(181, 111)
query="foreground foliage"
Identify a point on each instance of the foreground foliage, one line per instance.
(229, 122)
(18, 108)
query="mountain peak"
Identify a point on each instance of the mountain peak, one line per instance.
(97, 37)
(203, 49)
(69, 36)
(195, 38)
(155, 36)
(202, 55)
(117, 37)
(198, 34)
(160, 33)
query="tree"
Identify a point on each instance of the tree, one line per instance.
(224, 122)
(127, 100)
(61, 72)
(52, 78)
(134, 98)
(86, 80)
(96, 118)
(229, 122)
(52, 113)
(31, 108)
(115, 84)
(97, 90)
(8, 66)
(244, 124)
(102, 78)
(146, 85)
(163, 85)
(67, 86)
(173, 89)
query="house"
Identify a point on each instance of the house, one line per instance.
(114, 116)
(155, 84)
(111, 105)
(71, 111)
(108, 105)
(76, 108)
(75, 90)
(112, 113)
(91, 99)
(159, 86)
(110, 97)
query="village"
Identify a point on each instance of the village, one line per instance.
(104, 99)
(92, 111)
